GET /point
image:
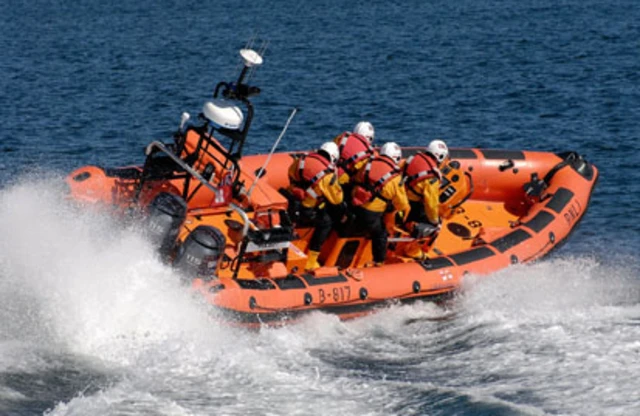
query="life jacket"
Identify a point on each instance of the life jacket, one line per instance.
(419, 167)
(376, 174)
(456, 187)
(353, 149)
(310, 170)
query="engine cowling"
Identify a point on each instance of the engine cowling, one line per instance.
(200, 253)
(166, 214)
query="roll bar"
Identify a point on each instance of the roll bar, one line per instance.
(162, 148)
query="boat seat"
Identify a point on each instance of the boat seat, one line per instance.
(159, 166)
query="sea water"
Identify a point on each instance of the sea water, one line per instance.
(92, 323)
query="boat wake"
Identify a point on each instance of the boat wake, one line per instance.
(92, 322)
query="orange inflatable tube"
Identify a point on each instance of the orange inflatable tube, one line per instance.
(497, 226)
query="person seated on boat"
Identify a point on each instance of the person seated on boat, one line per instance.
(378, 187)
(365, 128)
(356, 148)
(314, 184)
(422, 178)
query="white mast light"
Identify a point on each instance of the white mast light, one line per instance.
(183, 120)
(250, 57)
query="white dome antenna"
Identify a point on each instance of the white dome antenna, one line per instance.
(223, 113)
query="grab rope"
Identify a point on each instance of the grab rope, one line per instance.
(406, 295)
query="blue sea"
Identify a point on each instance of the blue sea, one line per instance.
(91, 323)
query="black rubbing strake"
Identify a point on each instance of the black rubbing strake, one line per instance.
(502, 154)
(437, 263)
(290, 282)
(462, 154)
(314, 281)
(472, 255)
(512, 239)
(560, 200)
(540, 221)
(255, 284)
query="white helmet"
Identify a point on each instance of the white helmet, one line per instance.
(391, 150)
(364, 128)
(439, 149)
(332, 150)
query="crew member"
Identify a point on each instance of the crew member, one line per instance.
(422, 178)
(377, 187)
(365, 128)
(356, 148)
(314, 184)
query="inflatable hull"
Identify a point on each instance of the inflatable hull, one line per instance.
(498, 226)
(228, 225)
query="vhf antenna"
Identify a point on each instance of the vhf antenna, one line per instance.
(250, 59)
(261, 52)
(248, 45)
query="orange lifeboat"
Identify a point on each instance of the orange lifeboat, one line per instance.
(522, 206)
(222, 220)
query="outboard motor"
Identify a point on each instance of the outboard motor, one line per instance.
(167, 212)
(200, 253)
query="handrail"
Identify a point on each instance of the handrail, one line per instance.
(244, 216)
(161, 147)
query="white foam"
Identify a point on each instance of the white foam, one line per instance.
(81, 284)
(98, 286)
